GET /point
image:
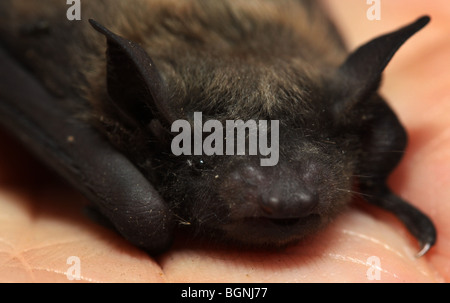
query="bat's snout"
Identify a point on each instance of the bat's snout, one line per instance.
(271, 193)
(279, 204)
(269, 204)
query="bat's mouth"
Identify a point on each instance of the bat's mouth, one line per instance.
(285, 222)
(267, 222)
(265, 231)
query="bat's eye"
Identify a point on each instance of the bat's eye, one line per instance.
(198, 164)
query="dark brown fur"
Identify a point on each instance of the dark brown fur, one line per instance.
(263, 44)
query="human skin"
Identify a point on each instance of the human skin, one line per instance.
(42, 223)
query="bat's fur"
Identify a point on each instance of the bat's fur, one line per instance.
(242, 59)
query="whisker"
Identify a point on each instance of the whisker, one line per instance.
(354, 192)
(181, 220)
(389, 151)
(362, 176)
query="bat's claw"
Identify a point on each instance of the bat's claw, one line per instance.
(419, 224)
(424, 250)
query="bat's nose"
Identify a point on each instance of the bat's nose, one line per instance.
(297, 203)
(275, 193)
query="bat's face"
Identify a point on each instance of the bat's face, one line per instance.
(235, 197)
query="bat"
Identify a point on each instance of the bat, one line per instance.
(97, 100)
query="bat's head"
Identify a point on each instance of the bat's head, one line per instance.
(293, 167)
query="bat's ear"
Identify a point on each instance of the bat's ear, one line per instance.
(360, 75)
(134, 83)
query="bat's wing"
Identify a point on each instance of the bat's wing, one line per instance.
(77, 152)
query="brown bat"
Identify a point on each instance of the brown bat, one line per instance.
(103, 121)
